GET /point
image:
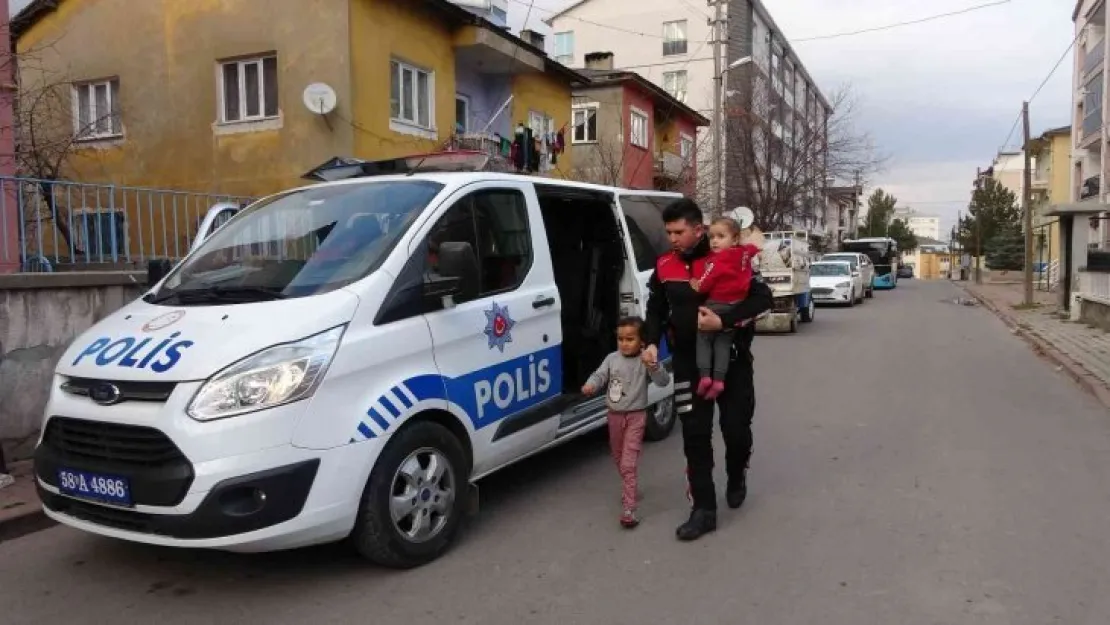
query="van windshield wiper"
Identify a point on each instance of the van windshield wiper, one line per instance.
(222, 294)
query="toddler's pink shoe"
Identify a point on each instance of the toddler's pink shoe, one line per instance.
(703, 386)
(715, 389)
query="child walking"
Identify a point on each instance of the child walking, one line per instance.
(627, 379)
(727, 275)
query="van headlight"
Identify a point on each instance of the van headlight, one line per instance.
(278, 375)
(843, 285)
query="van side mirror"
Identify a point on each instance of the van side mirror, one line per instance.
(458, 273)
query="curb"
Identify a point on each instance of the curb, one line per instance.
(1094, 386)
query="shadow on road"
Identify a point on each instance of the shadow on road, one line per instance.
(181, 572)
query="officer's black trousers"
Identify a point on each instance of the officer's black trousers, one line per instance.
(736, 406)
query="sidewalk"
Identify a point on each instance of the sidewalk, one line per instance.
(1082, 351)
(20, 510)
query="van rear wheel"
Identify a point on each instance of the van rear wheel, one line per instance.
(660, 420)
(411, 507)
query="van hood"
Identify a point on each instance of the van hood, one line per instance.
(147, 342)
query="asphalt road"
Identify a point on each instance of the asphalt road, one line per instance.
(915, 464)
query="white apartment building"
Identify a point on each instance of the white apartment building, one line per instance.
(496, 11)
(927, 226)
(670, 42)
(1089, 132)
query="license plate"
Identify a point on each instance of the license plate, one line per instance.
(95, 486)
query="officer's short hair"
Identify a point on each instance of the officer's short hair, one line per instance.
(683, 209)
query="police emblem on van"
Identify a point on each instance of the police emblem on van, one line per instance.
(163, 321)
(499, 326)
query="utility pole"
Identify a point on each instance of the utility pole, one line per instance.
(718, 78)
(857, 191)
(978, 228)
(1027, 207)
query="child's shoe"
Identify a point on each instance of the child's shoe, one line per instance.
(704, 385)
(629, 520)
(715, 389)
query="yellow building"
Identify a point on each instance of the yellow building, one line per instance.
(225, 95)
(1051, 184)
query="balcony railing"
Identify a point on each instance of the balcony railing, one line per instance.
(1095, 57)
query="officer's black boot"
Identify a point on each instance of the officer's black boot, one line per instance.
(737, 491)
(700, 523)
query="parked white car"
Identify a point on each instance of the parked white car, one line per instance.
(860, 263)
(834, 282)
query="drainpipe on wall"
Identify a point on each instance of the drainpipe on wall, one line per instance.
(9, 209)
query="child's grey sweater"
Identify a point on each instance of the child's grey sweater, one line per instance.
(627, 378)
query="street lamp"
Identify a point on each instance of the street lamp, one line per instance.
(717, 130)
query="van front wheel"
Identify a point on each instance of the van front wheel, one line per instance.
(410, 509)
(660, 420)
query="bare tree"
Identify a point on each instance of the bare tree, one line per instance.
(607, 162)
(782, 162)
(49, 127)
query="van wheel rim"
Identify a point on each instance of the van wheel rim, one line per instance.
(423, 495)
(664, 412)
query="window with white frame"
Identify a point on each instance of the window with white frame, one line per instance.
(674, 38)
(584, 119)
(564, 47)
(462, 113)
(249, 89)
(411, 93)
(685, 147)
(638, 129)
(543, 131)
(675, 84)
(96, 110)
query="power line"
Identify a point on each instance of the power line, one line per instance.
(1037, 92)
(814, 38)
(906, 23)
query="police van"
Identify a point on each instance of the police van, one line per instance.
(346, 359)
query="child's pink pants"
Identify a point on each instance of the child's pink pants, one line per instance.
(626, 438)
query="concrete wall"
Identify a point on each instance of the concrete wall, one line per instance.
(40, 314)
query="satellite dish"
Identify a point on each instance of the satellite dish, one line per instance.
(319, 98)
(743, 215)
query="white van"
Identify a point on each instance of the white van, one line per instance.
(346, 359)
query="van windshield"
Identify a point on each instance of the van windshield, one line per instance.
(300, 243)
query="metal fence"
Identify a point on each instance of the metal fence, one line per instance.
(73, 226)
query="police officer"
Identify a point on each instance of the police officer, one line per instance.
(675, 310)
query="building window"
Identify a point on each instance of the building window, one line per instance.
(543, 129)
(564, 47)
(674, 38)
(686, 147)
(411, 93)
(675, 84)
(96, 110)
(249, 89)
(462, 113)
(638, 134)
(584, 119)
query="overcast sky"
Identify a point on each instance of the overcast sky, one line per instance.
(939, 97)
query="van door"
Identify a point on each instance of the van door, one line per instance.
(498, 344)
(642, 218)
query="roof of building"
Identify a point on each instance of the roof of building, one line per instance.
(37, 9)
(608, 77)
(764, 14)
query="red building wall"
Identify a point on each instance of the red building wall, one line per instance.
(639, 163)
